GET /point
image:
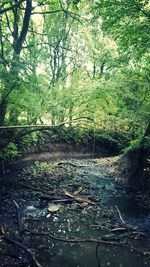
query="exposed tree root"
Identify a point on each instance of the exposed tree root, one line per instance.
(67, 240)
(23, 247)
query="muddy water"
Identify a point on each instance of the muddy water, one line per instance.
(93, 222)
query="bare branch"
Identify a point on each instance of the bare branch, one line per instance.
(47, 12)
(71, 14)
(8, 23)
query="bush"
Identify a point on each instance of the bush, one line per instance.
(11, 151)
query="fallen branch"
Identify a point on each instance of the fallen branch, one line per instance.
(127, 227)
(56, 199)
(50, 196)
(43, 126)
(77, 198)
(71, 164)
(18, 217)
(32, 128)
(15, 242)
(120, 216)
(67, 240)
(65, 200)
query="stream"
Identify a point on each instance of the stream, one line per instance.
(113, 203)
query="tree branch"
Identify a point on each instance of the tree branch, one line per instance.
(11, 7)
(8, 24)
(47, 127)
(141, 9)
(71, 14)
(47, 12)
(35, 128)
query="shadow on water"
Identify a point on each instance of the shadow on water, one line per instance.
(70, 221)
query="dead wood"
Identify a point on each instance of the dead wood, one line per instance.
(18, 217)
(77, 198)
(42, 126)
(65, 200)
(57, 199)
(126, 226)
(20, 245)
(67, 240)
(120, 216)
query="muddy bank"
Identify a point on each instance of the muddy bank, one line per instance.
(53, 151)
(54, 201)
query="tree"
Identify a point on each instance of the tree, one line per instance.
(129, 22)
(15, 39)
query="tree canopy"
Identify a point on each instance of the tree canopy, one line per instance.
(64, 59)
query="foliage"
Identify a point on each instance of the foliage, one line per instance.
(37, 170)
(128, 21)
(61, 61)
(133, 146)
(10, 152)
(18, 146)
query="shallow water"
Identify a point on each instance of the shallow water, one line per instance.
(70, 221)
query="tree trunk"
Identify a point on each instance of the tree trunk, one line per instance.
(18, 40)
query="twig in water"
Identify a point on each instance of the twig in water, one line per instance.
(120, 216)
(97, 257)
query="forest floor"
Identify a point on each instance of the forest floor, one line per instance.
(70, 210)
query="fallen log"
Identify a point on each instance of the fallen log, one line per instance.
(43, 126)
